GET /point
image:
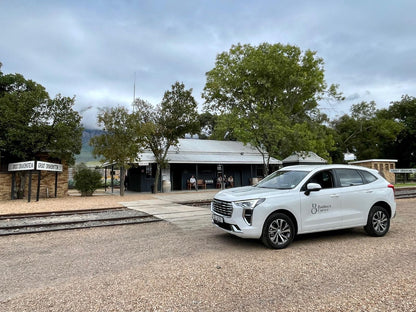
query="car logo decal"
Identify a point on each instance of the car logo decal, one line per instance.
(319, 208)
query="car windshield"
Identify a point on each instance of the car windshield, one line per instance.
(282, 179)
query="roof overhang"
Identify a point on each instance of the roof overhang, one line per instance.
(191, 151)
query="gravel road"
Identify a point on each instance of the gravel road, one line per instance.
(161, 267)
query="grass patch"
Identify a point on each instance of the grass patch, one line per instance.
(404, 184)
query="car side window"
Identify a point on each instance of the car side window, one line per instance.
(368, 176)
(349, 177)
(323, 178)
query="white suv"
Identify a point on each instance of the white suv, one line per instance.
(305, 199)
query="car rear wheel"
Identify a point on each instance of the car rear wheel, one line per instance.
(278, 231)
(378, 222)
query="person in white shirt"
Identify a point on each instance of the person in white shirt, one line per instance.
(192, 180)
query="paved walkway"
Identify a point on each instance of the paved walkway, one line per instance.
(167, 206)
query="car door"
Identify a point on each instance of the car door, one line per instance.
(321, 210)
(356, 196)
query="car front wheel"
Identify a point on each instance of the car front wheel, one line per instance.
(378, 222)
(278, 231)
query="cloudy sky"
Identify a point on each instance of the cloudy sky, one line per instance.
(97, 50)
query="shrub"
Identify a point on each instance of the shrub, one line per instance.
(86, 180)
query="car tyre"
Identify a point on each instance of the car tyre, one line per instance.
(378, 222)
(278, 231)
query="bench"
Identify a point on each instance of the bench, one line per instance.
(189, 184)
(201, 183)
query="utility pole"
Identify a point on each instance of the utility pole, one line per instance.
(134, 90)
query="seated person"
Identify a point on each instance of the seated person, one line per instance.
(230, 181)
(192, 181)
(219, 181)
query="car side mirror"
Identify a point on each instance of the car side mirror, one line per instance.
(312, 187)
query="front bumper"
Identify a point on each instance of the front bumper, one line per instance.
(237, 224)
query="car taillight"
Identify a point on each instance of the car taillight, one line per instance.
(391, 186)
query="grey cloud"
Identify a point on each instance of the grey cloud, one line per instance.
(92, 49)
(352, 97)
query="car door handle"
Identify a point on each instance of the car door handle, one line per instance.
(369, 191)
(334, 196)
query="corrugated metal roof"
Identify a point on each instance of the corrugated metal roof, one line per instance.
(372, 160)
(304, 157)
(191, 151)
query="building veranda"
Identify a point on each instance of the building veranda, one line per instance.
(210, 162)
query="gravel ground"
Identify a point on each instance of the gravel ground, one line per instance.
(159, 267)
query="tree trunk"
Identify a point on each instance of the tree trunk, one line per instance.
(266, 162)
(20, 187)
(157, 178)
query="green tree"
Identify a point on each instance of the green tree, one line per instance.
(366, 131)
(207, 123)
(32, 124)
(175, 117)
(268, 96)
(86, 180)
(64, 130)
(404, 148)
(121, 142)
(22, 109)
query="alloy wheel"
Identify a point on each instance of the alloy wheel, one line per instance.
(279, 232)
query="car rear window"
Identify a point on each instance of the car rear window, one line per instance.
(349, 177)
(369, 177)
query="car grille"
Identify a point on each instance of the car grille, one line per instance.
(222, 207)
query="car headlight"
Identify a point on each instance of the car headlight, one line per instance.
(249, 203)
(247, 207)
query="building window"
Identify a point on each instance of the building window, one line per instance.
(376, 166)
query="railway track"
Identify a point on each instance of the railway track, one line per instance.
(13, 224)
(199, 203)
(69, 220)
(405, 192)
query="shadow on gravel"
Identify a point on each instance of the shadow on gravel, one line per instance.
(331, 235)
(230, 240)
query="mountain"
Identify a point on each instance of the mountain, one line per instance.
(86, 151)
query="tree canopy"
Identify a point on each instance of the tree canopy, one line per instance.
(207, 122)
(366, 132)
(268, 96)
(156, 128)
(120, 142)
(164, 124)
(32, 123)
(404, 147)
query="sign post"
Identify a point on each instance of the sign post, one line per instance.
(31, 166)
(38, 189)
(404, 171)
(22, 166)
(30, 187)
